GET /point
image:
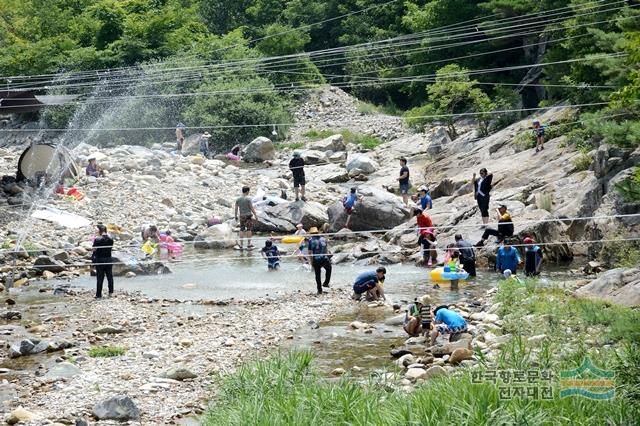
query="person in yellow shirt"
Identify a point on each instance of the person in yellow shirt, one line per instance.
(505, 226)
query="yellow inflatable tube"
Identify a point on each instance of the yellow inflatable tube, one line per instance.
(439, 275)
(292, 239)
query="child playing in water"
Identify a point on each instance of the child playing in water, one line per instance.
(301, 247)
(271, 253)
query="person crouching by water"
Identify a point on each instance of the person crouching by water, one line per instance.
(417, 319)
(370, 283)
(447, 322)
(320, 258)
(101, 258)
(271, 253)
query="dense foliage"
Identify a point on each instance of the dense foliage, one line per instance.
(410, 45)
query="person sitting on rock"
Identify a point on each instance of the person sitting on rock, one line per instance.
(371, 284)
(467, 255)
(271, 253)
(505, 226)
(417, 318)
(532, 257)
(508, 257)
(425, 199)
(349, 203)
(448, 322)
(93, 169)
(426, 237)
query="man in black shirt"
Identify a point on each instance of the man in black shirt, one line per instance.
(102, 259)
(296, 165)
(404, 180)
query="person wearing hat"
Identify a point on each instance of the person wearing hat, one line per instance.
(101, 258)
(532, 257)
(296, 165)
(448, 322)
(505, 226)
(417, 319)
(371, 284)
(92, 168)
(538, 133)
(320, 258)
(203, 144)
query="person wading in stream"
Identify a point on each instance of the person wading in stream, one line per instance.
(101, 258)
(320, 258)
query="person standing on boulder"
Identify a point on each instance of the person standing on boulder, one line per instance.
(481, 190)
(320, 258)
(349, 203)
(538, 133)
(296, 165)
(403, 180)
(244, 211)
(101, 258)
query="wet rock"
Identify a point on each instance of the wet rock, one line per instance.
(405, 360)
(460, 355)
(58, 345)
(215, 237)
(62, 370)
(11, 315)
(460, 336)
(260, 149)
(419, 340)
(119, 407)
(359, 325)
(46, 263)
(395, 321)
(179, 373)
(20, 415)
(399, 352)
(449, 347)
(108, 330)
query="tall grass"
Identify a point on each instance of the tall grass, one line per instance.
(364, 140)
(286, 389)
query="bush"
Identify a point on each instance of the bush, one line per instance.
(106, 351)
(582, 162)
(316, 135)
(291, 145)
(629, 188)
(545, 201)
(365, 141)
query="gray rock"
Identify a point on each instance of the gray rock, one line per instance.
(435, 371)
(21, 348)
(311, 157)
(46, 263)
(215, 237)
(284, 217)
(179, 373)
(117, 408)
(62, 370)
(449, 347)
(620, 286)
(332, 143)
(362, 163)
(108, 330)
(378, 210)
(399, 352)
(259, 150)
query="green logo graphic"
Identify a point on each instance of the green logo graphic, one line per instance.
(588, 381)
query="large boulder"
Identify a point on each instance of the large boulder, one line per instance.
(620, 286)
(377, 210)
(331, 173)
(311, 156)
(190, 146)
(119, 407)
(46, 263)
(260, 149)
(332, 143)
(362, 163)
(215, 237)
(284, 217)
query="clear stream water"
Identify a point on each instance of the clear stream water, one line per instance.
(205, 276)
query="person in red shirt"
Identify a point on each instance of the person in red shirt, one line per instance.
(426, 237)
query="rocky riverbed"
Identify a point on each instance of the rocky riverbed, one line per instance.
(172, 351)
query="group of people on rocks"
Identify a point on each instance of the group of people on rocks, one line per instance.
(421, 319)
